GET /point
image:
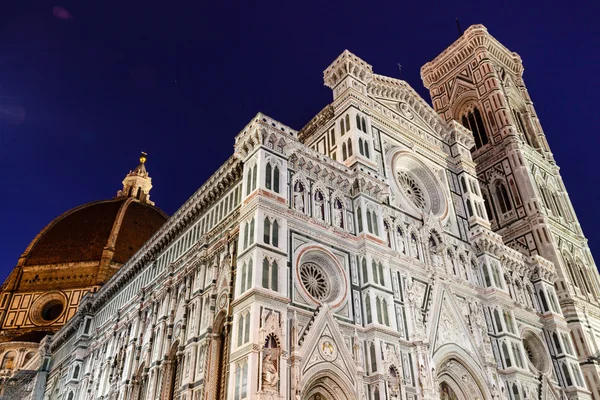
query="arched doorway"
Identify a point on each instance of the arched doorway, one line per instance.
(327, 386)
(218, 369)
(456, 382)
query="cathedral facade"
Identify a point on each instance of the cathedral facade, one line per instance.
(387, 250)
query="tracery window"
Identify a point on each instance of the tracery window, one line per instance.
(472, 120)
(271, 232)
(246, 277)
(368, 310)
(270, 275)
(411, 189)
(503, 198)
(272, 178)
(314, 280)
(372, 225)
(243, 334)
(241, 381)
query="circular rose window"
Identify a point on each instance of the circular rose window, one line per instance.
(411, 189)
(418, 185)
(536, 352)
(320, 278)
(314, 280)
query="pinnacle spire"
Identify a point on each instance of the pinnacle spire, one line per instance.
(138, 183)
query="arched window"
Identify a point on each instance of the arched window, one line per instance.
(70, 396)
(568, 381)
(268, 176)
(364, 271)
(360, 147)
(254, 172)
(373, 357)
(472, 120)
(464, 184)
(369, 222)
(249, 182)
(344, 152)
(469, 208)
(503, 198)
(251, 234)
(246, 233)
(543, 300)
(265, 273)
(367, 149)
(516, 394)
(378, 308)
(584, 278)
(357, 121)
(76, 372)
(276, 179)
(498, 321)
(364, 125)
(488, 209)
(347, 122)
(342, 127)
(249, 276)
(359, 219)
(374, 271)
(275, 235)
(274, 276)
(556, 343)
(267, 231)
(368, 309)
(349, 147)
(139, 193)
(376, 393)
(386, 318)
(506, 353)
(380, 268)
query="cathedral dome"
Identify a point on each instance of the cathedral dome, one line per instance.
(83, 233)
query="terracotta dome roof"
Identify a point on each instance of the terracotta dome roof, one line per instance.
(83, 233)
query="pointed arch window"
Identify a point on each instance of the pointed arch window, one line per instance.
(472, 120)
(268, 176)
(342, 127)
(368, 309)
(267, 231)
(361, 149)
(270, 275)
(344, 152)
(275, 235)
(367, 149)
(347, 122)
(364, 125)
(349, 147)
(503, 198)
(358, 121)
(378, 308)
(373, 356)
(386, 318)
(567, 375)
(251, 233)
(506, 353)
(254, 174)
(516, 394)
(364, 271)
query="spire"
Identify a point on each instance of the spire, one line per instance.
(138, 183)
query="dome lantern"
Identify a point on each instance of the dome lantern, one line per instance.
(137, 183)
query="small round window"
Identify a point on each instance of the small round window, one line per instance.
(52, 310)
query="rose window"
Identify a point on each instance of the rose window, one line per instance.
(411, 189)
(314, 280)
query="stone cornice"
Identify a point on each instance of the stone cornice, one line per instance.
(319, 120)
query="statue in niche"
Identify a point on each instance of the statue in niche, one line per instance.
(270, 370)
(414, 250)
(338, 210)
(319, 206)
(299, 197)
(270, 374)
(400, 242)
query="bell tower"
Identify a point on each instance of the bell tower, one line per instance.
(478, 82)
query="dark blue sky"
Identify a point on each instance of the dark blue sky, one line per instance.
(81, 96)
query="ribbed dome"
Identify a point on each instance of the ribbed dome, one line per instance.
(83, 233)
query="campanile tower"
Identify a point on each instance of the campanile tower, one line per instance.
(478, 82)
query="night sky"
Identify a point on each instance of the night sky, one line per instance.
(86, 85)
